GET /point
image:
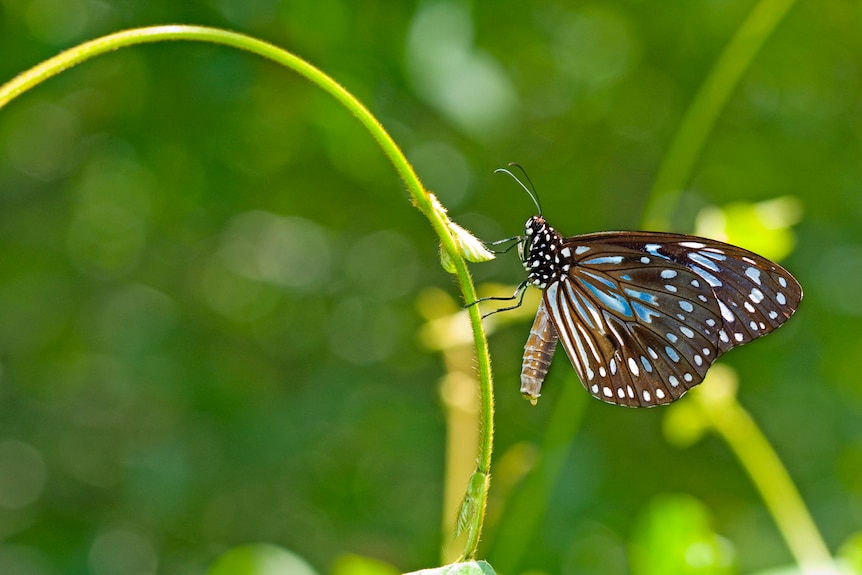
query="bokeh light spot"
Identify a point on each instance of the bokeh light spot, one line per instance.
(22, 474)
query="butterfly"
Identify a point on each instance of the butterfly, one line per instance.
(643, 315)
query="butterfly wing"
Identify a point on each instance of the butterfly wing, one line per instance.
(643, 315)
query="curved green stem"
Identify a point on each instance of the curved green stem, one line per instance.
(422, 199)
(771, 478)
(703, 111)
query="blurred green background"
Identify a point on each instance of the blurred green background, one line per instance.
(210, 276)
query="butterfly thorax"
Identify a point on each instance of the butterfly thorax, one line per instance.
(540, 252)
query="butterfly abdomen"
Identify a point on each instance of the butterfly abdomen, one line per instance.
(538, 354)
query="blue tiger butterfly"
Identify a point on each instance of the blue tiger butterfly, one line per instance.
(642, 315)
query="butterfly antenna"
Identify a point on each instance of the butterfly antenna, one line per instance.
(531, 191)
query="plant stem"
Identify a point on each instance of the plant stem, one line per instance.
(422, 199)
(703, 111)
(770, 477)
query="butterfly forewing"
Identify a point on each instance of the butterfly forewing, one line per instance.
(643, 315)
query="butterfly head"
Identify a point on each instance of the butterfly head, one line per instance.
(540, 252)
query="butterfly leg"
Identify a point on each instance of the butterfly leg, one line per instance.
(514, 239)
(519, 295)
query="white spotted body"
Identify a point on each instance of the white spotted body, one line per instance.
(642, 315)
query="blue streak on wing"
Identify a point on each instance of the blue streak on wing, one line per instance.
(579, 309)
(708, 277)
(602, 279)
(644, 313)
(653, 249)
(643, 296)
(714, 255)
(697, 257)
(610, 300)
(604, 260)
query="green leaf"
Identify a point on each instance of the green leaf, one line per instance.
(477, 489)
(469, 246)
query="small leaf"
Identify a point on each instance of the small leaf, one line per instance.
(471, 247)
(468, 245)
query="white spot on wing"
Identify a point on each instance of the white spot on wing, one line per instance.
(754, 274)
(725, 312)
(756, 295)
(633, 367)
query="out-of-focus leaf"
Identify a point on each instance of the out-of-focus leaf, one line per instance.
(762, 227)
(260, 559)
(674, 535)
(850, 553)
(684, 423)
(836, 569)
(358, 565)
